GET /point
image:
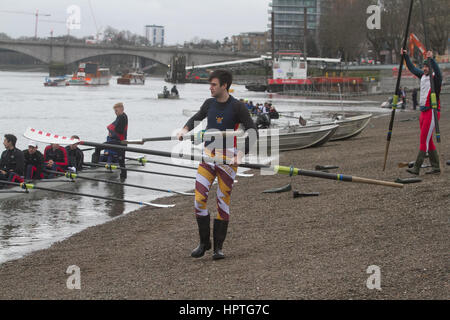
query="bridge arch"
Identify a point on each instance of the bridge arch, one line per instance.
(26, 51)
(89, 55)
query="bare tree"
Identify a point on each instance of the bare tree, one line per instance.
(342, 29)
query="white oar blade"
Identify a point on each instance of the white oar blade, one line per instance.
(245, 175)
(156, 205)
(184, 193)
(47, 137)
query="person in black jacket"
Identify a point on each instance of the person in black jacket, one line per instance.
(34, 162)
(75, 156)
(11, 163)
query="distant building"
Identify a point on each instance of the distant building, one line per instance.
(289, 22)
(250, 42)
(155, 35)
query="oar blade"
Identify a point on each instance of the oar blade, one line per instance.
(156, 205)
(47, 137)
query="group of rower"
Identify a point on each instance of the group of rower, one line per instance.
(264, 113)
(30, 164)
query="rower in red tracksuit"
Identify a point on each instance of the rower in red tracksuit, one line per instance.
(11, 162)
(427, 121)
(56, 159)
(117, 132)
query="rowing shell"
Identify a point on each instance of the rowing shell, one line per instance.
(63, 185)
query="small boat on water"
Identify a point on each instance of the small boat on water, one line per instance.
(55, 81)
(170, 96)
(256, 87)
(90, 73)
(132, 79)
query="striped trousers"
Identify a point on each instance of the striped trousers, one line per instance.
(206, 174)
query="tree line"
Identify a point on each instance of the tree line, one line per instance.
(343, 30)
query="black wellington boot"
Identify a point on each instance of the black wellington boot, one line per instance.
(418, 164)
(205, 241)
(434, 160)
(219, 234)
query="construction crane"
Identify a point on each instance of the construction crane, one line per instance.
(415, 42)
(36, 14)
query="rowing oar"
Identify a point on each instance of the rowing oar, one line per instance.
(114, 167)
(29, 186)
(198, 137)
(143, 161)
(397, 88)
(433, 97)
(72, 176)
(36, 135)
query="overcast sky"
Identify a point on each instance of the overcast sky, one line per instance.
(183, 19)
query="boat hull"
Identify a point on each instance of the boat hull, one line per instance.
(61, 183)
(295, 137)
(174, 97)
(349, 127)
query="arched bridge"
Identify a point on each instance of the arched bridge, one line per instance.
(55, 52)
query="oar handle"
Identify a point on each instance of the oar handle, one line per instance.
(377, 182)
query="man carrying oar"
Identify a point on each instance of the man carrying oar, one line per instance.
(427, 121)
(223, 112)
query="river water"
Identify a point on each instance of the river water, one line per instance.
(27, 225)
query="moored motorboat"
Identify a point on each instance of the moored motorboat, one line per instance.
(55, 81)
(90, 73)
(132, 79)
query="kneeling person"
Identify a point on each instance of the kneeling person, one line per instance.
(11, 163)
(34, 162)
(55, 158)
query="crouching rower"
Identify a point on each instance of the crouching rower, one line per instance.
(75, 156)
(11, 163)
(55, 158)
(223, 112)
(34, 162)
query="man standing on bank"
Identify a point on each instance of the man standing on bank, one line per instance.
(223, 112)
(117, 132)
(427, 123)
